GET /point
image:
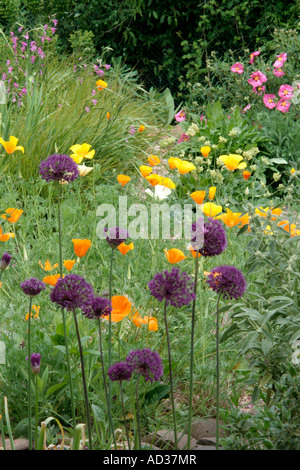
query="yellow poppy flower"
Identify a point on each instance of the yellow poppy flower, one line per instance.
(184, 167)
(167, 183)
(198, 196)
(145, 170)
(69, 263)
(81, 246)
(174, 255)
(11, 146)
(14, 215)
(48, 266)
(123, 179)
(173, 162)
(121, 307)
(101, 84)
(141, 128)
(123, 248)
(212, 192)
(205, 151)
(36, 309)
(153, 160)
(263, 212)
(210, 209)
(233, 162)
(81, 151)
(291, 228)
(5, 236)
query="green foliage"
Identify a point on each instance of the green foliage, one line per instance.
(82, 43)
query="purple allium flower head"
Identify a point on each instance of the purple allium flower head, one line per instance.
(208, 237)
(59, 167)
(5, 261)
(72, 291)
(116, 236)
(119, 371)
(98, 307)
(228, 281)
(175, 287)
(32, 286)
(145, 362)
(35, 363)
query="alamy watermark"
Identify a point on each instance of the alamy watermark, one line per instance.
(2, 92)
(152, 221)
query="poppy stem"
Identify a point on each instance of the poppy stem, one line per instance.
(87, 407)
(218, 376)
(105, 385)
(36, 412)
(138, 413)
(192, 355)
(29, 377)
(171, 377)
(62, 310)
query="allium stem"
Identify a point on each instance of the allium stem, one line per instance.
(105, 384)
(87, 407)
(109, 332)
(171, 376)
(36, 412)
(192, 355)
(29, 376)
(62, 310)
(138, 412)
(124, 415)
(218, 376)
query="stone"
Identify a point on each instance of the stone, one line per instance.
(206, 428)
(164, 439)
(19, 444)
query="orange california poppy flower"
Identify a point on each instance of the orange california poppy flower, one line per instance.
(151, 322)
(246, 175)
(69, 263)
(141, 128)
(36, 309)
(145, 170)
(198, 196)
(263, 212)
(154, 179)
(108, 115)
(194, 252)
(121, 307)
(52, 279)
(11, 146)
(174, 255)
(5, 236)
(48, 266)
(291, 228)
(231, 219)
(81, 246)
(245, 220)
(173, 162)
(123, 179)
(212, 192)
(123, 248)
(137, 319)
(205, 151)
(101, 84)
(15, 214)
(153, 160)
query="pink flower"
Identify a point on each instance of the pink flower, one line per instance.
(286, 91)
(87, 109)
(280, 60)
(269, 101)
(106, 66)
(278, 72)
(183, 138)
(257, 79)
(259, 90)
(180, 116)
(237, 68)
(283, 105)
(252, 56)
(203, 117)
(246, 108)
